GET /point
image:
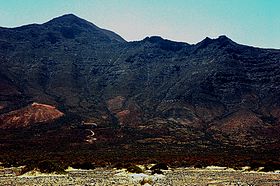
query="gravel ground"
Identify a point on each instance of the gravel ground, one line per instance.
(177, 177)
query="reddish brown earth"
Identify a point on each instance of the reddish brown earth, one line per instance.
(34, 113)
(127, 113)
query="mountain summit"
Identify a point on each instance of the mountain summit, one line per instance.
(68, 19)
(154, 93)
(70, 25)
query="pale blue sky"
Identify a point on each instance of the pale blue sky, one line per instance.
(251, 22)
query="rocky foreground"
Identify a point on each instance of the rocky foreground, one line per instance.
(109, 176)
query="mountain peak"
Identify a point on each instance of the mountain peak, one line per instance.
(153, 39)
(70, 16)
(207, 40)
(165, 44)
(223, 37)
(70, 23)
(222, 40)
(66, 16)
(69, 19)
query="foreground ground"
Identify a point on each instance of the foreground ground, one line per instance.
(178, 176)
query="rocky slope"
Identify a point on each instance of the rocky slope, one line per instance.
(34, 113)
(155, 91)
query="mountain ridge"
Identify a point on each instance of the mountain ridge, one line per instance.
(214, 95)
(72, 18)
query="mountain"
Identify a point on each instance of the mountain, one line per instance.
(213, 96)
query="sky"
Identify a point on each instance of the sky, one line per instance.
(250, 22)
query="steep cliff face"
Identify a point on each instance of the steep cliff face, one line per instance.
(216, 91)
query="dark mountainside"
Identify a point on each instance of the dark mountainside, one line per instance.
(213, 102)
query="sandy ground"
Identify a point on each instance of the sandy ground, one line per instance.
(177, 177)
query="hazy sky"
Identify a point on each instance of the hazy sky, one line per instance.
(251, 22)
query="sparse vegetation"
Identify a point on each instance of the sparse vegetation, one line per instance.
(159, 166)
(178, 177)
(157, 171)
(120, 165)
(134, 169)
(84, 165)
(268, 167)
(46, 166)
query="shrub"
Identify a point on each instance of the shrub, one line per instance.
(271, 167)
(157, 171)
(254, 166)
(26, 169)
(236, 167)
(159, 166)
(84, 165)
(120, 165)
(198, 166)
(50, 166)
(134, 169)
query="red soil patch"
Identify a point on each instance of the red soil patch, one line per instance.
(240, 121)
(116, 104)
(34, 113)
